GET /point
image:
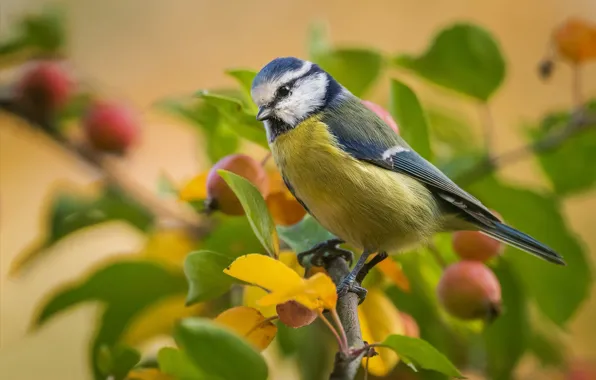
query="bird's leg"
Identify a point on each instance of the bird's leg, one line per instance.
(316, 255)
(370, 265)
(350, 283)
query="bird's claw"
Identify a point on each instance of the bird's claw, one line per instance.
(349, 284)
(316, 255)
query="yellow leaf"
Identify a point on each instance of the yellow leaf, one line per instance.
(195, 189)
(576, 40)
(251, 296)
(291, 260)
(249, 323)
(159, 319)
(378, 319)
(148, 374)
(170, 246)
(315, 293)
(264, 271)
(392, 270)
(283, 206)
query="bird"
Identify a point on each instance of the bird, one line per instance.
(358, 178)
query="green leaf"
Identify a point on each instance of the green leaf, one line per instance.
(451, 134)
(126, 288)
(420, 352)
(464, 57)
(412, 121)
(314, 360)
(256, 210)
(45, 31)
(539, 215)
(13, 46)
(244, 240)
(71, 212)
(446, 334)
(570, 167)
(204, 272)
(221, 142)
(242, 121)
(507, 336)
(548, 349)
(77, 106)
(166, 187)
(244, 77)
(116, 362)
(221, 139)
(219, 352)
(304, 235)
(318, 44)
(176, 363)
(355, 68)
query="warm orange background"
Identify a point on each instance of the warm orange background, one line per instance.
(143, 50)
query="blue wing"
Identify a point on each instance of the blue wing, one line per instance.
(368, 139)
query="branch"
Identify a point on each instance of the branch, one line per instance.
(580, 121)
(107, 166)
(346, 365)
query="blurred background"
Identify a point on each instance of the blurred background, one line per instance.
(142, 51)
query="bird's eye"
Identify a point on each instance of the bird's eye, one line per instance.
(283, 91)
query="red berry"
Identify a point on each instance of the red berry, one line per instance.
(410, 326)
(382, 113)
(581, 370)
(295, 315)
(470, 290)
(45, 87)
(220, 196)
(474, 245)
(111, 127)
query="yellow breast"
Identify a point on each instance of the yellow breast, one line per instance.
(367, 206)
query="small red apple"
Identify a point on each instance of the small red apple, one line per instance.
(470, 290)
(382, 113)
(295, 315)
(410, 326)
(111, 127)
(220, 196)
(44, 88)
(474, 245)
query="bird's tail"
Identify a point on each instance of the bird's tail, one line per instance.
(518, 239)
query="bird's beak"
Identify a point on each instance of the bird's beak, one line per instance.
(264, 113)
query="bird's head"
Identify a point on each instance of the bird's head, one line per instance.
(288, 90)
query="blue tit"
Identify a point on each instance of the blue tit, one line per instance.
(356, 176)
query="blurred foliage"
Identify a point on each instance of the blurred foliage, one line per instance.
(464, 57)
(143, 297)
(408, 113)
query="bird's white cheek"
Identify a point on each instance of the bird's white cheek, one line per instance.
(286, 113)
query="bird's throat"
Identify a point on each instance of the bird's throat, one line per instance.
(275, 128)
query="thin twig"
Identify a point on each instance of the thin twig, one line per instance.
(261, 324)
(340, 341)
(580, 121)
(346, 364)
(488, 128)
(265, 159)
(337, 322)
(576, 89)
(108, 167)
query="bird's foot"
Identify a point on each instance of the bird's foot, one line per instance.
(316, 255)
(370, 265)
(349, 284)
